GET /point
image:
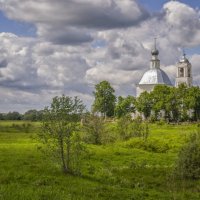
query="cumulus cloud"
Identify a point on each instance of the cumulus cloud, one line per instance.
(3, 63)
(35, 69)
(184, 23)
(82, 42)
(99, 13)
(62, 18)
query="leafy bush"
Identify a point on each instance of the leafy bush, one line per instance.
(188, 163)
(123, 127)
(128, 128)
(93, 128)
(151, 145)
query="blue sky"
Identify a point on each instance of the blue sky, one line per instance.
(27, 29)
(16, 27)
(156, 5)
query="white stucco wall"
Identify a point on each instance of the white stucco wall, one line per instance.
(143, 88)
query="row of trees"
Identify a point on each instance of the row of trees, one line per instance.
(30, 115)
(168, 103)
(164, 102)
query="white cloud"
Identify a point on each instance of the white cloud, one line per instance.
(71, 21)
(82, 42)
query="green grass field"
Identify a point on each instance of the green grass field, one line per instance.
(124, 170)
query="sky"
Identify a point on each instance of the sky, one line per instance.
(49, 48)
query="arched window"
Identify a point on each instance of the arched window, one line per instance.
(189, 72)
(181, 72)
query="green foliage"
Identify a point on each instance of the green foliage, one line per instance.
(125, 106)
(127, 128)
(104, 99)
(60, 129)
(16, 127)
(144, 104)
(124, 127)
(12, 116)
(113, 171)
(30, 115)
(140, 128)
(150, 145)
(170, 103)
(94, 128)
(188, 164)
(33, 115)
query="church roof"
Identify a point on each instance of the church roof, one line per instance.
(155, 76)
(184, 59)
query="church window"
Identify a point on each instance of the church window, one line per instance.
(181, 72)
(189, 74)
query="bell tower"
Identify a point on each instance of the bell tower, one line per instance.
(184, 72)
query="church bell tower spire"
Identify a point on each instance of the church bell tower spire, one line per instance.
(155, 62)
(184, 71)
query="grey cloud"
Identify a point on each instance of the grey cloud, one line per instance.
(58, 21)
(3, 63)
(98, 14)
(64, 36)
(39, 69)
(184, 23)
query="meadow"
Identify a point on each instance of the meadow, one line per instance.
(132, 170)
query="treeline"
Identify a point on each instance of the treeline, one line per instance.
(170, 103)
(30, 115)
(163, 103)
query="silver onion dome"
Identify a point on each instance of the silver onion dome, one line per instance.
(184, 59)
(154, 52)
(154, 77)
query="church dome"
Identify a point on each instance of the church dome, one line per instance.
(155, 52)
(184, 59)
(154, 77)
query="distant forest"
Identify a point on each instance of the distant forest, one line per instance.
(30, 115)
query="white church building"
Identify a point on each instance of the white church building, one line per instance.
(156, 76)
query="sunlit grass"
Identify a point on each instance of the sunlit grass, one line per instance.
(134, 169)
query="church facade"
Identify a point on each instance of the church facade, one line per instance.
(156, 76)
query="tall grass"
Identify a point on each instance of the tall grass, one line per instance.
(133, 169)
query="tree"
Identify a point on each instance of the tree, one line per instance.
(33, 115)
(13, 116)
(172, 105)
(144, 104)
(125, 106)
(104, 99)
(123, 127)
(192, 101)
(60, 131)
(94, 127)
(182, 94)
(2, 116)
(159, 100)
(188, 163)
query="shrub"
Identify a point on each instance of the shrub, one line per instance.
(123, 127)
(151, 145)
(128, 128)
(188, 163)
(93, 128)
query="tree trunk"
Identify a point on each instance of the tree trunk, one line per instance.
(68, 150)
(64, 167)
